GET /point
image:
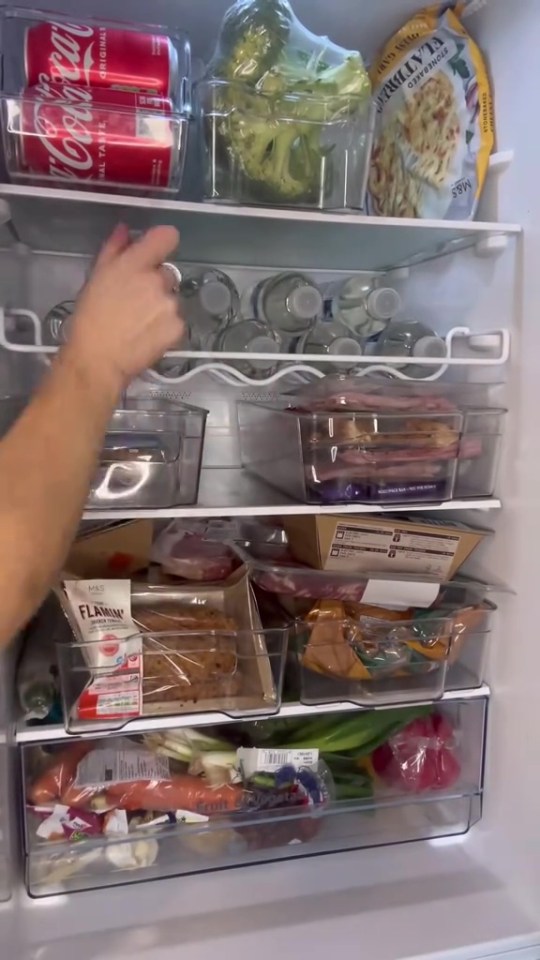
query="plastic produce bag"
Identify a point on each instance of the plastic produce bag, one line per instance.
(420, 758)
(435, 113)
(281, 85)
(186, 550)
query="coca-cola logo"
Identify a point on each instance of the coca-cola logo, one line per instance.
(68, 60)
(65, 132)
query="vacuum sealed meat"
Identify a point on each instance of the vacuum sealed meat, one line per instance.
(186, 550)
(435, 114)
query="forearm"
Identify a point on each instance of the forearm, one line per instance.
(47, 461)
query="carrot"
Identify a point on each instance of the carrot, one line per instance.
(52, 784)
(181, 792)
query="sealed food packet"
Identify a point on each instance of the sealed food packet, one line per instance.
(185, 549)
(101, 610)
(420, 758)
(435, 120)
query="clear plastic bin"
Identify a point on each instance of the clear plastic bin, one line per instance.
(373, 662)
(347, 457)
(331, 174)
(94, 104)
(392, 814)
(151, 456)
(479, 453)
(234, 668)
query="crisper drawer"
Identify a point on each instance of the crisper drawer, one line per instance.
(377, 777)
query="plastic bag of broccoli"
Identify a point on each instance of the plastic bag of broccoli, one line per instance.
(286, 113)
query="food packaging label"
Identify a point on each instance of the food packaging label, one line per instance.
(409, 551)
(256, 760)
(102, 612)
(107, 765)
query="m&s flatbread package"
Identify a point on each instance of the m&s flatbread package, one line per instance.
(434, 120)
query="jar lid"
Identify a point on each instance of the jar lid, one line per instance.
(305, 302)
(429, 347)
(384, 304)
(215, 297)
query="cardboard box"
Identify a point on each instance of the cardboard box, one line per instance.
(115, 551)
(390, 544)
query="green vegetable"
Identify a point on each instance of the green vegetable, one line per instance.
(358, 732)
(277, 98)
(252, 37)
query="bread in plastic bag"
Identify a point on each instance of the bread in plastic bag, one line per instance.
(435, 120)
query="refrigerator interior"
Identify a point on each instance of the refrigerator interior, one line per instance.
(467, 897)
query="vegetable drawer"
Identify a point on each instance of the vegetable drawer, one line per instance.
(107, 812)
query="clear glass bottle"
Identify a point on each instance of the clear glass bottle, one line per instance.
(365, 308)
(410, 338)
(210, 301)
(55, 325)
(329, 338)
(289, 303)
(250, 336)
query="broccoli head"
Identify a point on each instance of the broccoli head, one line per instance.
(252, 37)
(282, 160)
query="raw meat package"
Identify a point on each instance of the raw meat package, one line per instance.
(343, 441)
(166, 650)
(187, 550)
(435, 120)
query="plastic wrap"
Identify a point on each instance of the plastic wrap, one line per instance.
(282, 93)
(420, 758)
(185, 549)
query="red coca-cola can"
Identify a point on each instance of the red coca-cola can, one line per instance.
(94, 56)
(108, 137)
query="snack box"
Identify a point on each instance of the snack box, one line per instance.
(390, 544)
(236, 668)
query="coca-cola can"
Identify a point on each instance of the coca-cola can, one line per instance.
(95, 56)
(109, 137)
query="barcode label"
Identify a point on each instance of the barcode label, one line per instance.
(253, 760)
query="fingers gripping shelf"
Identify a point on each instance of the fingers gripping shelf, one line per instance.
(463, 349)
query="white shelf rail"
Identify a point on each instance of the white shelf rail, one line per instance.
(486, 350)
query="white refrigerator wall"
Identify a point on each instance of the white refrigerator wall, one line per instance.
(474, 897)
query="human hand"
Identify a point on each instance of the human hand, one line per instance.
(126, 316)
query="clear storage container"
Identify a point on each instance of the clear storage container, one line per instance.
(228, 664)
(346, 441)
(372, 661)
(257, 147)
(397, 806)
(94, 104)
(151, 456)
(347, 457)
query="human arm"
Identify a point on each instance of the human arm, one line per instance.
(125, 319)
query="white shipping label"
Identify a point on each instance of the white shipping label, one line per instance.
(400, 594)
(388, 549)
(109, 765)
(102, 610)
(253, 760)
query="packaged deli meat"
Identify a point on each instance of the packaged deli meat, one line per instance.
(186, 650)
(435, 120)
